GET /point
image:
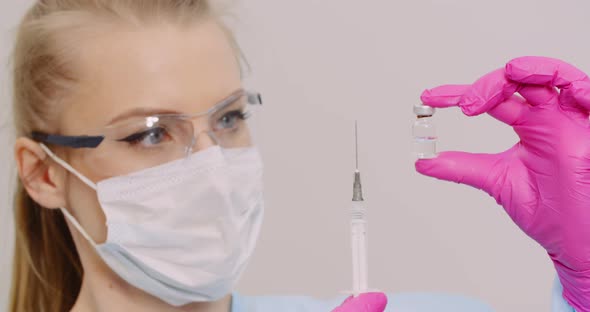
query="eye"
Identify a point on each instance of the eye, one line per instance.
(148, 138)
(230, 120)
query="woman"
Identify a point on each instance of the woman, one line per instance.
(140, 187)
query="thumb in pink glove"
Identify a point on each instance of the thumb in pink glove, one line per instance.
(543, 181)
(369, 302)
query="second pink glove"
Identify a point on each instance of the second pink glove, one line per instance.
(369, 302)
(543, 181)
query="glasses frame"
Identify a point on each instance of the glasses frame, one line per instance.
(88, 141)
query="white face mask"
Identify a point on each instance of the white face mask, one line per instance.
(185, 230)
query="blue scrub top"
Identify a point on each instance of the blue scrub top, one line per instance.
(402, 302)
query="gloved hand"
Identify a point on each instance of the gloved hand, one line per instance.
(369, 302)
(543, 182)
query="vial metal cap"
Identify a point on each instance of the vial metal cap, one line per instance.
(423, 110)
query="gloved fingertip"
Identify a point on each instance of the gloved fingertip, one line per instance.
(581, 93)
(509, 70)
(378, 301)
(446, 166)
(426, 95)
(444, 96)
(424, 166)
(516, 67)
(429, 98)
(519, 70)
(540, 70)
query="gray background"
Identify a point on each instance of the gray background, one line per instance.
(322, 64)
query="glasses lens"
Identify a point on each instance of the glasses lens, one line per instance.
(229, 124)
(144, 143)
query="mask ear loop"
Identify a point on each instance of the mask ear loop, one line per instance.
(68, 167)
(84, 179)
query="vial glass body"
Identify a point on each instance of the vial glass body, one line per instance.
(425, 137)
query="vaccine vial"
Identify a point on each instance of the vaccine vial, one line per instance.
(424, 132)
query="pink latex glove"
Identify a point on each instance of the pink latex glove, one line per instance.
(543, 182)
(369, 302)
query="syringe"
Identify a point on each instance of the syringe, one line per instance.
(358, 231)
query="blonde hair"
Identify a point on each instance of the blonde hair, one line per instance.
(47, 272)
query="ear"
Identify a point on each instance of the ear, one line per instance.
(44, 180)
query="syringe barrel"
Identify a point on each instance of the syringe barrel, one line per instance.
(360, 266)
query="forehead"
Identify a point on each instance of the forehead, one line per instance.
(160, 67)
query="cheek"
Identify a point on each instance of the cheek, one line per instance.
(83, 203)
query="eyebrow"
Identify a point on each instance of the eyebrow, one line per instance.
(141, 112)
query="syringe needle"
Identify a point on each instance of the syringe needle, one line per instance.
(356, 144)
